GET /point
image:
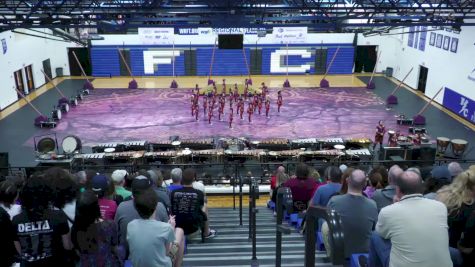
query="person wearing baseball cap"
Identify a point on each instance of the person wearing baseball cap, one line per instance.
(118, 177)
(100, 185)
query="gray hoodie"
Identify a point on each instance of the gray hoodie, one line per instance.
(384, 197)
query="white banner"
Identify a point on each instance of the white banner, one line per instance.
(156, 35)
(291, 35)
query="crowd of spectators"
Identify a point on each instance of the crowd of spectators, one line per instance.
(54, 218)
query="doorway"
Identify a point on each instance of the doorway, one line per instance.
(47, 69)
(82, 54)
(30, 83)
(421, 85)
(365, 59)
(19, 83)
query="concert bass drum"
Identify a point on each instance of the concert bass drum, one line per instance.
(65, 107)
(71, 144)
(73, 101)
(56, 114)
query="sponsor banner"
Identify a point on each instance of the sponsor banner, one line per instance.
(291, 35)
(460, 104)
(216, 31)
(156, 35)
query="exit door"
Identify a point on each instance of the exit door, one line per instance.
(421, 85)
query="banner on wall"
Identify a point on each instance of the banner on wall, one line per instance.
(216, 31)
(291, 35)
(156, 35)
(460, 104)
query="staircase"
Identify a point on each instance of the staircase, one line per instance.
(231, 247)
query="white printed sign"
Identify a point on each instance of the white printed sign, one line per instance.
(156, 35)
(278, 63)
(291, 35)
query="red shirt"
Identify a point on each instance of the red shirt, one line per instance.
(302, 192)
(108, 208)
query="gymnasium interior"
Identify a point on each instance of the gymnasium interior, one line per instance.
(237, 90)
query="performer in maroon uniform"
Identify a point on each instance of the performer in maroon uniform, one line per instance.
(210, 115)
(392, 142)
(378, 138)
(241, 108)
(197, 89)
(259, 104)
(250, 110)
(231, 114)
(205, 104)
(267, 107)
(197, 110)
(192, 101)
(236, 93)
(246, 90)
(215, 89)
(279, 100)
(222, 101)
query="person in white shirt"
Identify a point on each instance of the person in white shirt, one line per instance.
(412, 232)
(8, 197)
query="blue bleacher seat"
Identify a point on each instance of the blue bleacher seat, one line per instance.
(271, 205)
(127, 263)
(294, 217)
(298, 226)
(354, 262)
(320, 244)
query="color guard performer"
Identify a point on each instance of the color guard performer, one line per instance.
(250, 110)
(241, 108)
(236, 92)
(197, 110)
(259, 104)
(205, 104)
(231, 114)
(267, 107)
(279, 100)
(379, 136)
(210, 115)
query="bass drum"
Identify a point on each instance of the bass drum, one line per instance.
(57, 115)
(65, 107)
(74, 101)
(71, 144)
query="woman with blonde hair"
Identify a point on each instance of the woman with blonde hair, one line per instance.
(281, 178)
(459, 197)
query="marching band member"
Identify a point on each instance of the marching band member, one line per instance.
(231, 114)
(197, 110)
(250, 110)
(259, 104)
(241, 108)
(267, 107)
(378, 138)
(210, 114)
(279, 100)
(205, 104)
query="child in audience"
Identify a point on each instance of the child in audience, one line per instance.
(95, 239)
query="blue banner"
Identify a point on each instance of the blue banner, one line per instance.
(460, 104)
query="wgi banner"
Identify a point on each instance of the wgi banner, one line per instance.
(156, 35)
(291, 35)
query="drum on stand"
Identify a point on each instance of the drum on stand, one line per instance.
(46, 145)
(73, 101)
(65, 107)
(56, 114)
(71, 144)
(80, 97)
(85, 91)
(442, 144)
(458, 146)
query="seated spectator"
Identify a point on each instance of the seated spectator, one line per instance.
(467, 242)
(455, 169)
(358, 215)
(459, 198)
(118, 178)
(81, 180)
(282, 177)
(413, 231)
(95, 239)
(302, 187)
(439, 176)
(42, 234)
(101, 186)
(176, 175)
(64, 191)
(188, 207)
(375, 182)
(383, 172)
(273, 178)
(151, 242)
(323, 194)
(344, 181)
(8, 197)
(384, 197)
(7, 233)
(162, 192)
(126, 212)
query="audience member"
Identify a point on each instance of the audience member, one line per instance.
(95, 239)
(7, 234)
(375, 182)
(64, 190)
(273, 178)
(81, 180)
(42, 234)
(282, 177)
(383, 172)
(126, 212)
(467, 242)
(151, 242)
(413, 231)
(101, 186)
(344, 183)
(384, 197)
(8, 197)
(176, 175)
(439, 176)
(188, 204)
(302, 187)
(323, 194)
(358, 214)
(455, 169)
(118, 178)
(459, 198)
(162, 192)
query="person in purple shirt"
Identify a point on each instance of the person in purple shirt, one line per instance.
(325, 192)
(176, 175)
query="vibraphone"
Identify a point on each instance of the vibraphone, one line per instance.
(244, 154)
(274, 144)
(98, 148)
(162, 156)
(120, 146)
(362, 154)
(321, 154)
(304, 143)
(135, 145)
(283, 155)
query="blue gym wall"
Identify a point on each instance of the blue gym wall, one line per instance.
(106, 61)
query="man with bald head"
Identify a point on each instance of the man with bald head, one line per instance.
(384, 197)
(413, 231)
(358, 214)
